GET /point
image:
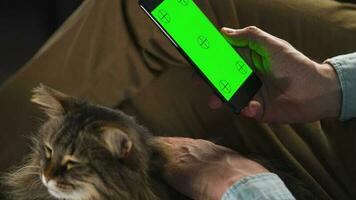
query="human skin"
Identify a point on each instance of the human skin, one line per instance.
(203, 170)
(295, 88)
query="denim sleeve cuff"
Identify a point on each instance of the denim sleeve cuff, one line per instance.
(266, 186)
(345, 67)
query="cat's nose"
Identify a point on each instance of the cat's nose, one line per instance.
(48, 172)
(47, 176)
(50, 183)
(44, 179)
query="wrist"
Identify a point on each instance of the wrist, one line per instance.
(331, 93)
(237, 170)
(221, 188)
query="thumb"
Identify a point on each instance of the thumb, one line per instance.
(252, 37)
(230, 35)
(255, 109)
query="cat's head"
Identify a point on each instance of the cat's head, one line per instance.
(86, 151)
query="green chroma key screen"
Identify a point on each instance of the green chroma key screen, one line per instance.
(204, 44)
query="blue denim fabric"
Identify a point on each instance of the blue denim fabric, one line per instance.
(345, 67)
(265, 186)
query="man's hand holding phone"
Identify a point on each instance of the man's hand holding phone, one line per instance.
(295, 88)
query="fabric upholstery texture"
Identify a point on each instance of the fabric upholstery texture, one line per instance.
(110, 53)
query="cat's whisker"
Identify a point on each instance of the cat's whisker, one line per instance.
(20, 170)
(30, 166)
(33, 173)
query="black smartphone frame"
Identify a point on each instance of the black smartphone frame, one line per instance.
(241, 97)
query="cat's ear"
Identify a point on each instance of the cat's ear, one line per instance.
(53, 102)
(116, 141)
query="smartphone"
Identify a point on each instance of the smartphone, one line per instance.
(202, 44)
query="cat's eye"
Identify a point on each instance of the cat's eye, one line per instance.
(48, 152)
(70, 164)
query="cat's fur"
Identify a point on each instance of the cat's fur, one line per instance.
(87, 152)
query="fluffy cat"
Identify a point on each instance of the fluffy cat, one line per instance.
(88, 152)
